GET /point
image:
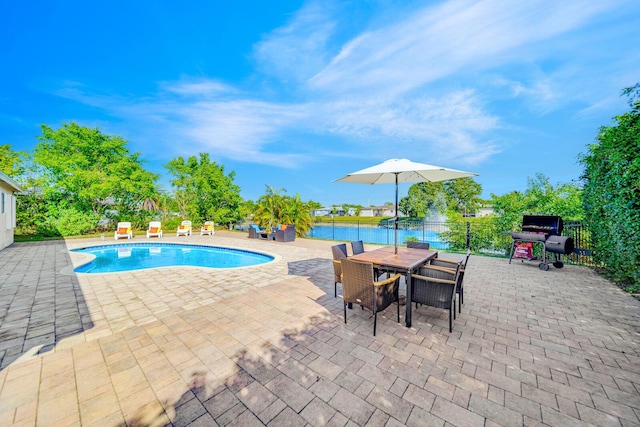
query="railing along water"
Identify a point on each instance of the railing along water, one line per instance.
(480, 238)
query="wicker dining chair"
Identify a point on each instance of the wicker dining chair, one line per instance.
(452, 264)
(357, 247)
(418, 245)
(339, 252)
(359, 287)
(436, 287)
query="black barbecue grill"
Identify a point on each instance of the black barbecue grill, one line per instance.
(545, 230)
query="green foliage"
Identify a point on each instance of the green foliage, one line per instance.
(90, 171)
(37, 215)
(456, 195)
(274, 208)
(541, 197)
(68, 222)
(462, 195)
(612, 194)
(11, 161)
(202, 190)
(422, 198)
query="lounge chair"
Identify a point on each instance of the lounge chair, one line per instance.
(359, 287)
(184, 229)
(155, 229)
(207, 228)
(123, 230)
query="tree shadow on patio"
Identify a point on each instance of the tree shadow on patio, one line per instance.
(39, 306)
(273, 386)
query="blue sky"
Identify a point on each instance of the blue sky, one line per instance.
(296, 94)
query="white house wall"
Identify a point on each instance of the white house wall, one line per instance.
(7, 216)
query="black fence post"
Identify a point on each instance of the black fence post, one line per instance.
(468, 235)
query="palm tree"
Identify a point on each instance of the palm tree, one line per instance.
(270, 207)
(299, 214)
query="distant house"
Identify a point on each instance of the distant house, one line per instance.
(8, 189)
(387, 210)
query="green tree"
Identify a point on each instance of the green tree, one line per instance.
(202, 190)
(422, 198)
(275, 208)
(612, 194)
(11, 161)
(298, 213)
(270, 207)
(462, 195)
(78, 171)
(540, 197)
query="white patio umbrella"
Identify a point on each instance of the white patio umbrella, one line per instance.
(402, 170)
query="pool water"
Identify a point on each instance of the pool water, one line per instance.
(127, 257)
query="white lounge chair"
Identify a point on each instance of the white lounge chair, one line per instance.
(155, 229)
(123, 230)
(184, 229)
(207, 228)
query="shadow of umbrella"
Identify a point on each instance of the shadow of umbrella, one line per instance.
(402, 170)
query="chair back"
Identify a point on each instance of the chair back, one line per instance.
(208, 225)
(185, 224)
(155, 225)
(357, 247)
(339, 251)
(125, 225)
(357, 282)
(436, 293)
(418, 245)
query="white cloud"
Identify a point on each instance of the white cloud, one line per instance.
(421, 84)
(297, 50)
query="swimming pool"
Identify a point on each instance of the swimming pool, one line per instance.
(138, 256)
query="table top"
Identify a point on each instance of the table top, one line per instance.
(406, 258)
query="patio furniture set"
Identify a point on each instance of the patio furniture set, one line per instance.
(430, 280)
(282, 233)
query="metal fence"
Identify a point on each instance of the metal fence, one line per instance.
(479, 237)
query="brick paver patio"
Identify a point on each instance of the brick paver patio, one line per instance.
(268, 345)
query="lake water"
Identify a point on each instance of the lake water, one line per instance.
(377, 235)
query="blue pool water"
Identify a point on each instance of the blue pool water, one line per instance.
(377, 235)
(126, 257)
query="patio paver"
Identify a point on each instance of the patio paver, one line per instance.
(267, 345)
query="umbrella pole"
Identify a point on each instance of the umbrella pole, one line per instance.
(395, 219)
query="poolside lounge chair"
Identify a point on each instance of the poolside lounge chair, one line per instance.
(184, 229)
(359, 287)
(207, 228)
(155, 229)
(123, 230)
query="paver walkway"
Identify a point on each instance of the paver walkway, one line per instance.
(268, 345)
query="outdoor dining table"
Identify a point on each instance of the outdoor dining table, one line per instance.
(406, 261)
